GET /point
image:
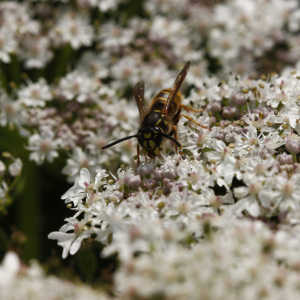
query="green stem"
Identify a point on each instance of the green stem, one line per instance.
(294, 157)
(63, 59)
(3, 79)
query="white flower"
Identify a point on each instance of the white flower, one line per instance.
(78, 160)
(220, 152)
(43, 146)
(9, 269)
(113, 35)
(287, 192)
(167, 28)
(294, 20)
(193, 174)
(18, 18)
(35, 94)
(186, 207)
(158, 77)
(8, 44)
(248, 201)
(96, 64)
(10, 111)
(4, 193)
(35, 51)
(75, 29)
(80, 190)
(15, 168)
(78, 86)
(21, 281)
(223, 46)
(100, 175)
(230, 167)
(105, 5)
(71, 242)
(125, 72)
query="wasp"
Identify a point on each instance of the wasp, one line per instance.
(159, 121)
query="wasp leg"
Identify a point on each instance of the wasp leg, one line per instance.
(174, 131)
(187, 108)
(138, 153)
(192, 120)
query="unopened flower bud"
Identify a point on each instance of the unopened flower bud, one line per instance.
(212, 121)
(158, 174)
(150, 184)
(229, 112)
(238, 130)
(229, 137)
(15, 168)
(133, 181)
(168, 184)
(285, 158)
(293, 144)
(220, 136)
(145, 169)
(216, 107)
(239, 99)
(224, 123)
(286, 168)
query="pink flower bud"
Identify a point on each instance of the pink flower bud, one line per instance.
(229, 137)
(150, 184)
(216, 107)
(145, 169)
(133, 181)
(293, 144)
(239, 99)
(229, 112)
(158, 174)
(285, 158)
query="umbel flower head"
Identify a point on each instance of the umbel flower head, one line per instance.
(217, 216)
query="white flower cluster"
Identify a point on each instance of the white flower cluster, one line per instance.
(156, 218)
(239, 259)
(177, 239)
(30, 283)
(82, 110)
(220, 217)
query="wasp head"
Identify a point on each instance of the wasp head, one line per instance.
(150, 139)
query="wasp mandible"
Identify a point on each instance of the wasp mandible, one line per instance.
(160, 119)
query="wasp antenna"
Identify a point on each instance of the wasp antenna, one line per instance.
(119, 141)
(170, 138)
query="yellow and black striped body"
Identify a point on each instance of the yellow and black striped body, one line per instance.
(156, 123)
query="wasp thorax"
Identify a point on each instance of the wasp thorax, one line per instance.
(150, 139)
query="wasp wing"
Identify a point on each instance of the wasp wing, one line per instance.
(139, 98)
(175, 88)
